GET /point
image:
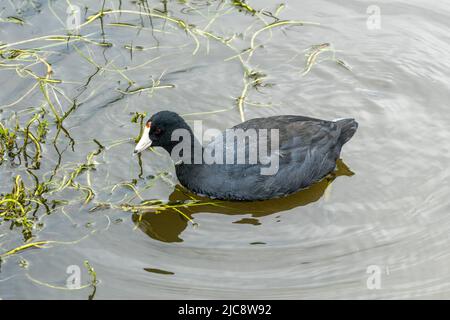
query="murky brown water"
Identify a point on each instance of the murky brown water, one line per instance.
(319, 243)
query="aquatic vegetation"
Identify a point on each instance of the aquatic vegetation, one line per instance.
(242, 5)
(37, 244)
(15, 141)
(12, 19)
(139, 117)
(158, 206)
(21, 205)
(69, 179)
(7, 142)
(314, 51)
(22, 61)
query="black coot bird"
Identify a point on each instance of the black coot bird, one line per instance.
(307, 151)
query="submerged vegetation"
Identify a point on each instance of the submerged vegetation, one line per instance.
(16, 142)
(43, 168)
(21, 204)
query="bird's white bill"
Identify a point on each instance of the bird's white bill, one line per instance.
(144, 143)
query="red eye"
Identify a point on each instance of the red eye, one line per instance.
(157, 131)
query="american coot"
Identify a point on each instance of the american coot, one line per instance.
(307, 152)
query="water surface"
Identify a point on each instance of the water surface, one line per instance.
(387, 206)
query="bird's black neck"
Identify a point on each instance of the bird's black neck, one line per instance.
(189, 151)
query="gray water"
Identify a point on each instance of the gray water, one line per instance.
(387, 210)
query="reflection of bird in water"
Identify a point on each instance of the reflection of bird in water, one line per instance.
(168, 225)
